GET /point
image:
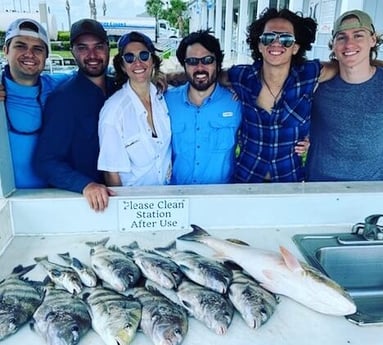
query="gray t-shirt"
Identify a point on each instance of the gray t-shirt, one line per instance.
(346, 131)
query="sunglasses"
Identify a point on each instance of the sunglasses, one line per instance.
(194, 61)
(143, 56)
(286, 39)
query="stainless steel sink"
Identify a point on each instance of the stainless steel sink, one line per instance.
(353, 262)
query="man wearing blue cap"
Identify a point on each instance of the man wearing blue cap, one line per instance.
(346, 131)
(67, 151)
(26, 50)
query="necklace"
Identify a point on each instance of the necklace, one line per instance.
(271, 92)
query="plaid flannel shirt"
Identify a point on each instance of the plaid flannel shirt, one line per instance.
(267, 140)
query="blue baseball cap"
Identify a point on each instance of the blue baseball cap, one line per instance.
(135, 36)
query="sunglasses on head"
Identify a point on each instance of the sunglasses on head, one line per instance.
(194, 61)
(143, 56)
(286, 39)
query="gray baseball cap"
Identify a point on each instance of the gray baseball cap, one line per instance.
(26, 27)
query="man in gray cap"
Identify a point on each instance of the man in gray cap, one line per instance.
(346, 132)
(26, 50)
(67, 151)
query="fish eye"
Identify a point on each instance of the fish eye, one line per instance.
(75, 328)
(12, 320)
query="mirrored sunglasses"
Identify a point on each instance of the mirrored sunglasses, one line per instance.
(194, 61)
(286, 39)
(143, 56)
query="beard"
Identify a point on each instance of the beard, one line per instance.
(201, 80)
(93, 70)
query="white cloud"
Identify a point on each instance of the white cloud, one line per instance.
(78, 8)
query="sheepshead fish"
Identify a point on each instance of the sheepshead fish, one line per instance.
(254, 303)
(163, 321)
(210, 307)
(62, 318)
(63, 276)
(155, 267)
(113, 266)
(115, 317)
(87, 275)
(201, 270)
(19, 298)
(281, 273)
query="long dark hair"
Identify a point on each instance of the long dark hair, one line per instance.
(304, 32)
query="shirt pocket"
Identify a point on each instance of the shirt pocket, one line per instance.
(182, 142)
(223, 134)
(139, 151)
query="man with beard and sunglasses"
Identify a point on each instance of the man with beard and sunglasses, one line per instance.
(204, 116)
(68, 147)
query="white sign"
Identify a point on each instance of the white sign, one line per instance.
(153, 214)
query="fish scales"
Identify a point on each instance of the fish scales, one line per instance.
(155, 267)
(113, 266)
(87, 275)
(201, 270)
(62, 318)
(281, 273)
(19, 298)
(115, 317)
(162, 320)
(210, 307)
(255, 304)
(63, 276)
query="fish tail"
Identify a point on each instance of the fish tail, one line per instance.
(65, 257)
(103, 242)
(20, 270)
(198, 234)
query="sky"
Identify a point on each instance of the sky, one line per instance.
(78, 8)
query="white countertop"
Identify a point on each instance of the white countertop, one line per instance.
(290, 324)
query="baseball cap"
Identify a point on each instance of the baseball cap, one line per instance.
(87, 26)
(26, 27)
(135, 36)
(364, 21)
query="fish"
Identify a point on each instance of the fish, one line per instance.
(62, 318)
(254, 303)
(115, 317)
(155, 267)
(113, 266)
(281, 273)
(210, 307)
(87, 276)
(19, 298)
(163, 321)
(200, 269)
(63, 276)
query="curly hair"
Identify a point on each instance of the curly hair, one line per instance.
(207, 40)
(120, 77)
(304, 32)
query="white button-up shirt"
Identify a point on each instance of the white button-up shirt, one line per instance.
(127, 145)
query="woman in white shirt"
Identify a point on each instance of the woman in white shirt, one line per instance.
(134, 126)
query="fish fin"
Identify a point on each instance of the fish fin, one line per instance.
(77, 263)
(65, 257)
(290, 260)
(196, 235)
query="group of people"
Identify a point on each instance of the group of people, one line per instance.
(251, 123)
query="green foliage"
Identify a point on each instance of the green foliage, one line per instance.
(154, 8)
(63, 36)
